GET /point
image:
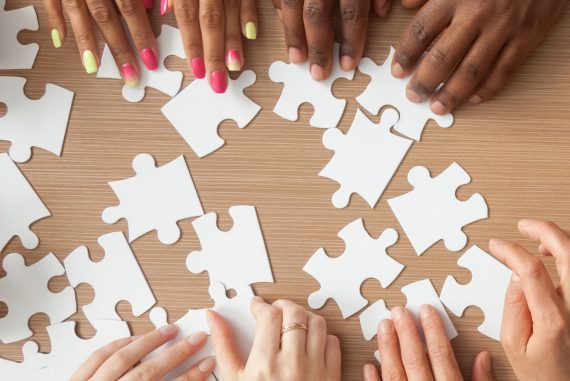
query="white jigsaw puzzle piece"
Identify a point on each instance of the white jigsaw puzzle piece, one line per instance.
(387, 90)
(25, 291)
(15, 55)
(197, 111)
(489, 282)
(33, 123)
(365, 159)
(299, 87)
(236, 258)
(115, 278)
(341, 277)
(432, 212)
(167, 81)
(20, 206)
(24, 371)
(155, 199)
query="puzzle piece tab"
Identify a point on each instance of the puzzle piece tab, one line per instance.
(15, 55)
(365, 159)
(197, 111)
(114, 278)
(299, 87)
(489, 282)
(364, 256)
(31, 123)
(387, 90)
(25, 291)
(155, 199)
(20, 206)
(432, 212)
(24, 371)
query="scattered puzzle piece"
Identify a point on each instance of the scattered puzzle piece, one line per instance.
(25, 291)
(33, 123)
(23, 371)
(197, 111)
(20, 206)
(155, 199)
(114, 278)
(432, 212)
(236, 258)
(489, 282)
(386, 90)
(299, 87)
(365, 159)
(341, 277)
(169, 82)
(15, 55)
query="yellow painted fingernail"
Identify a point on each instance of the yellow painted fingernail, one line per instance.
(56, 38)
(250, 31)
(89, 62)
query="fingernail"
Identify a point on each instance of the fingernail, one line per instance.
(148, 4)
(250, 31)
(207, 365)
(296, 55)
(130, 75)
(318, 73)
(197, 338)
(219, 82)
(347, 63)
(89, 62)
(258, 299)
(397, 313)
(56, 38)
(133, 338)
(414, 96)
(209, 318)
(169, 329)
(397, 70)
(198, 67)
(164, 7)
(425, 311)
(149, 59)
(233, 60)
(495, 241)
(486, 362)
(438, 108)
(475, 100)
(515, 278)
(385, 326)
(524, 222)
(368, 371)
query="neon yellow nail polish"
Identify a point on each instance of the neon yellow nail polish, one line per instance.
(56, 38)
(89, 62)
(250, 31)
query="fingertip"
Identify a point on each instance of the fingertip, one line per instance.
(207, 365)
(318, 73)
(370, 372)
(439, 108)
(347, 63)
(296, 56)
(475, 100)
(397, 70)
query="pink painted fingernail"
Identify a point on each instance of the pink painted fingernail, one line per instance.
(149, 59)
(164, 7)
(198, 67)
(148, 4)
(219, 82)
(130, 75)
(233, 60)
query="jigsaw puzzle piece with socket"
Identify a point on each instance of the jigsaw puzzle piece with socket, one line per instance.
(387, 90)
(299, 87)
(68, 351)
(24, 371)
(197, 111)
(365, 159)
(341, 277)
(489, 282)
(169, 82)
(31, 123)
(155, 199)
(115, 278)
(236, 258)
(432, 212)
(20, 206)
(15, 55)
(25, 291)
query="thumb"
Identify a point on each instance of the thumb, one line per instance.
(516, 327)
(225, 346)
(482, 368)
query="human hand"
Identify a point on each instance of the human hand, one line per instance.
(120, 360)
(403, 354)
(536, 321)
(212, 29)
(476, 47)
(103, 12)
(295, 355)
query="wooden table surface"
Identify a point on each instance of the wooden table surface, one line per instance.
(516, 148)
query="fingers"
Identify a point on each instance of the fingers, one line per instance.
(413, 4)
(516, 327)
(316, 336)
(268, 320)
(186, 12)
(293, 342)
(333, 358)
(482, 368)
(234, 50)
(413, 354)
(248, 17)
(80, 20)
(389, 348)
(354, 16)
(317, 17)
(441, 356)
(212, 26)
(200, 371)
(292, 14)
(225, 347)
(97, 358)
(56, 21)
(370, 373)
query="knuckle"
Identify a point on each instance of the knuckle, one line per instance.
(212, 17)
(392, 374)
(182, 349)
(231, 4)
(186, 11)
(291, 3)
(314, 12)
(145, 372)
(418, 31)
(533, 267)
(558, 326)
(439, 56)
(119, 360)
(128, 8)
(72, 4)
(413, 360)
(351, 13)
(439, 353)
(470, 71)
(317, 55)
(102, 14)
(234, 38)
(271, 313)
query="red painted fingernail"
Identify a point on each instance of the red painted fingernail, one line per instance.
(233, 60)
(148, 4)
(219, 82)
(165, 6)
(130, 75)
(149, 59)
(198, 67)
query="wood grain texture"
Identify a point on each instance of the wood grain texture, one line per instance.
(516, 149)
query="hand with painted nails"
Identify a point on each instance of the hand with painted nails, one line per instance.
(403, 353)
(290, 344)
(536, 320)
(471, 46)
(123, 359)
(82, 13)
(212, 30)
